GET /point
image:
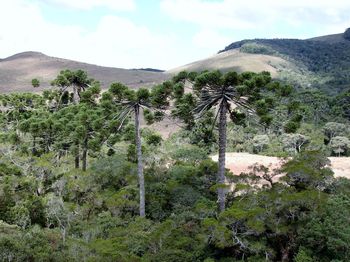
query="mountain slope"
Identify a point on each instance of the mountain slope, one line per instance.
(17, 71)
(326, 58)
(320, 62)
(237, 61)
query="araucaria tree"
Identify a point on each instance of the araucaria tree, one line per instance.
(134, 102)
(78, 80)
(230, 94)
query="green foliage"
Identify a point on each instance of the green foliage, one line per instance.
(188, 153)
(291, 127)
(35, 82)
(325, 234)
(51, 211)
(308, 170)
(154, 140)
(255, 48)
(340, 145)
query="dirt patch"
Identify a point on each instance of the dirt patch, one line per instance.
(240, 162)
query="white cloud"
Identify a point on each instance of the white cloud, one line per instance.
(115, 41)
(257, 14)
(117, 5)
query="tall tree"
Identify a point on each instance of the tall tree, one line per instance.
(134, 102)
(227, 93)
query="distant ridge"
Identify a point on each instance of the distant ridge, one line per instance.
(17, 71)
(24, 55)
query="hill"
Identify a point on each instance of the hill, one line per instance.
(236, 60)
(320, 62)
(17, 71)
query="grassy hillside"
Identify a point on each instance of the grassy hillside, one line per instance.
(16, 72)
(237, 61)
(326, 59)
(320, 62)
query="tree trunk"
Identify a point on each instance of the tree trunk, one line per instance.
(139, 162)
(77, 157)
(84, 154)
(76, 97)
(222, 151)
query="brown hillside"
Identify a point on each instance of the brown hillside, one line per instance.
(16, 72)
(237, 61)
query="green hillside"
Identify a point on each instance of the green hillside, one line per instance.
(327, 57)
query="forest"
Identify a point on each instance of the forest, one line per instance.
(86, 175)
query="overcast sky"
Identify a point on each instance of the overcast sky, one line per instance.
(160, 34)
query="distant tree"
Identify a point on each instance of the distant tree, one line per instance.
(78, 80)
(342, 105)
(184, 106)
(154, 139)
(291, 127)
(260, 142)
(333, 129)
(318, 105)
(35, 82)
(41, 128)
(294, 142)
(340, 145)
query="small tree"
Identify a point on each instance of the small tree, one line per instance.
(340, 145)
(260, 142)
(333, 129)
(294, 142)
(35, 83)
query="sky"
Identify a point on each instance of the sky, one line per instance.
(159, 34)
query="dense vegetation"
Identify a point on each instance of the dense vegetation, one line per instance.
(329, 61)
(81, 181)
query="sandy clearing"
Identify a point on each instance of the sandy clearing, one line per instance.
(240, 162)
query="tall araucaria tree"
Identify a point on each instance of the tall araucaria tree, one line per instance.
(230, 94)
(134, 102)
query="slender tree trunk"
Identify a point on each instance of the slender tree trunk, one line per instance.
(76, 98)
(139, 162)
(222, 152)
(84, 154)
(77, 157)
